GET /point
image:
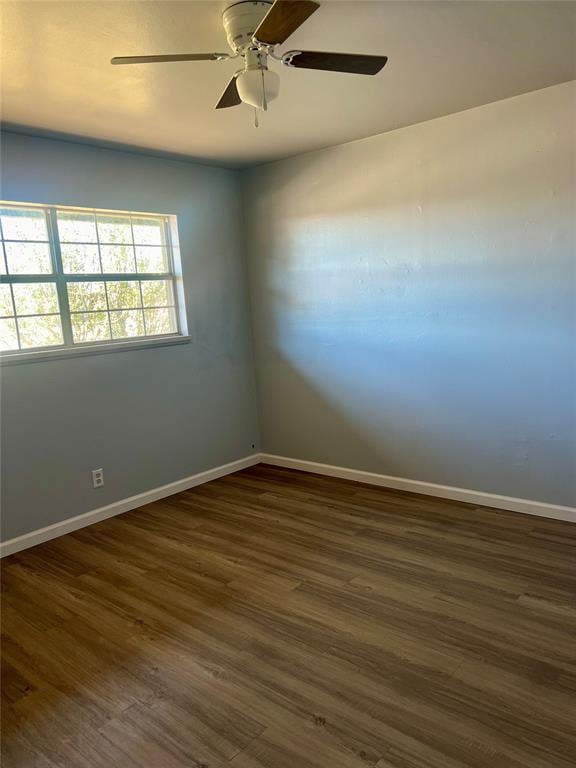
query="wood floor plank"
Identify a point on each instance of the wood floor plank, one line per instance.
(274, 619)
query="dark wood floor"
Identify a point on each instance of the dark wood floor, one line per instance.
(274, 619)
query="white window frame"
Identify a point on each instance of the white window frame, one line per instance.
(61, 279)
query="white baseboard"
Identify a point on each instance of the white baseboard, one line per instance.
(124, 505)
(479, 498)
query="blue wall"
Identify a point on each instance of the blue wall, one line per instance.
(148, 417)
(414, 300)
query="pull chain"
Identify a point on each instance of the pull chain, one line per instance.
(264, 102)
(255, 118)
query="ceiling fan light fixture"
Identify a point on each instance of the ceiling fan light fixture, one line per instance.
(258, 87)
(254, 28)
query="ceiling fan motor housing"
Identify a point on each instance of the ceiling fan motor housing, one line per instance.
(241, 21)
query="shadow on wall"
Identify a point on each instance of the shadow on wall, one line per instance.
(418, 319)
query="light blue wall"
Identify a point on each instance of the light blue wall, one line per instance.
(147, 417)
(413, 310)
(414, 300)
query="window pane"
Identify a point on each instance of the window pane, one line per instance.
(157, 293)
(86, 297)
(40, 331)
(150, 258)
(28, 258)
(93, 326)
(8, 336)
(80, 258)
(35, 298)
(160, 321)
(6, 307)
(118, 258)
(76, 227)
(148, 231)
(107, 259)
(126, 324)
(114, 229)
(124, 294)
(23, 224)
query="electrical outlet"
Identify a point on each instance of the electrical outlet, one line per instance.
(98, 478)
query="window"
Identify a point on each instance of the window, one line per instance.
(73, 277)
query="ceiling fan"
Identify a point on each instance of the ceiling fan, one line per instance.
(254, 29)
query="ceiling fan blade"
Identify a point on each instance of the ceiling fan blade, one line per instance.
(230, 97)
(283, 18)
(169, 57)
(354, 63)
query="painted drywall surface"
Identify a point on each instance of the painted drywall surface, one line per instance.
(148, 417)
(413, 300)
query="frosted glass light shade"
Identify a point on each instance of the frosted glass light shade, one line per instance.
(253, 84)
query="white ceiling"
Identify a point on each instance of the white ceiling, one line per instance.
(443, 57)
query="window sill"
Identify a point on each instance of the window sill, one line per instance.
(19, 358)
